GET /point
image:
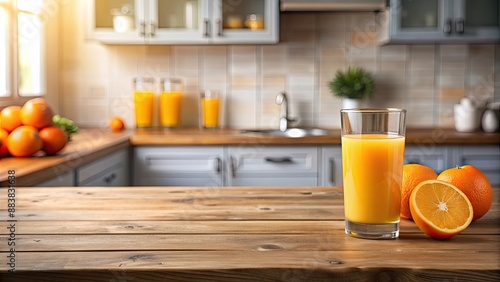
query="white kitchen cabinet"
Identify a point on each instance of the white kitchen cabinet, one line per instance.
(111, 170)
(485, 157)
(182, 21)
(434, 156)
(441, 21)
(66, 179)
(226, 166)
(178, 166)
(331, 166)
(273, 166)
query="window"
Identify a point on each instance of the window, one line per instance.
(22, 44)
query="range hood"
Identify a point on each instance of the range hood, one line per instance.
(332, 5)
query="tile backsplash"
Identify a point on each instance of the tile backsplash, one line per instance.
(427, 80)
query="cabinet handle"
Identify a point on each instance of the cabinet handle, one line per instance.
(205, 28)
(279, 160)
(332, 171)
(110, 178)
(447, 26)
(152, 25)
(460, 25)
(218, 165)
(142, 28)
(219, 27)
(232, 167)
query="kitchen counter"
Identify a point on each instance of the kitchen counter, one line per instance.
(91, 144)
(85, 146)
(236, 137)
(223, 234)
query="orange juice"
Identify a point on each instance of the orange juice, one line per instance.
(210, 108)
(372, 168)
(170, 108)
(143, 103)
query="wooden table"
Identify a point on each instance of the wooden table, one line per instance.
(223, 234)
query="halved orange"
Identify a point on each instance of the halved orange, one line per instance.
(440, 209)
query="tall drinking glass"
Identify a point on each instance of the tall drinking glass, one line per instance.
(170, 102)
(373, 143)
(210, 109)
(144, 101)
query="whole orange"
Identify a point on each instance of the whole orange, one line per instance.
(24, 141)
(37, 113)
(10, 118)
(3, 143)
(54, 139)
(116, 124)
(413, 174)
(474, 184)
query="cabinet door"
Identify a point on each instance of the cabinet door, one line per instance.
(477, 19)
(331, 166)
(66, 179)
(178, 21)
(117, 21)
(110, 170)
(178, 166)
(423, 20)
(485, 158)
(247, 22)
(273, 166)
(436, 157)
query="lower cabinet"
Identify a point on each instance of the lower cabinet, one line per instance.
(273, 166)
(437, 157)
(66, 179)
(331, 166)
(226, 166)
(111, 170)
(486, 158)
(178, 166)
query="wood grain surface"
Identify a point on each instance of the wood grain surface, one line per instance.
(225, 234)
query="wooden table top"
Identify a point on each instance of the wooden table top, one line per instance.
(223, 234)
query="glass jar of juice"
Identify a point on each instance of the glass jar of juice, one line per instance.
(144, 101)
(170, 102)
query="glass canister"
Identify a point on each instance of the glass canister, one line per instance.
(144, 101)
(170, 102)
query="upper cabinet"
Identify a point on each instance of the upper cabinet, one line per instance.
(441, 21)
(184, 21)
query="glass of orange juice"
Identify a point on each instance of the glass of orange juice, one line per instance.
(373, 143)
(170, 102)
(210, 109)
(144, 101)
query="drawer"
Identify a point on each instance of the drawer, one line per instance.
(66, 179)
(290, 161)
(109, 170)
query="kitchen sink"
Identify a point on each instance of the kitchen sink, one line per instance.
(290, 132)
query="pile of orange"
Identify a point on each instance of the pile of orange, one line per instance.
(28, 129)
(444, 205)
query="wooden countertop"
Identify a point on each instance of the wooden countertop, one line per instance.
(91, 144)
(85, 146)
(224, 234)
(423, 136)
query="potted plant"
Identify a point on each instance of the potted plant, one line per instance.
(351, 86)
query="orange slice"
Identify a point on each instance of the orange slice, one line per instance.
(440, 209)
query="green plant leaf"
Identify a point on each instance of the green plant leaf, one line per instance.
(355, 83)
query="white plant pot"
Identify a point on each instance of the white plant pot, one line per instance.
(350, 103)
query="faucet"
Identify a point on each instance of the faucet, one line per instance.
(281, 99)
